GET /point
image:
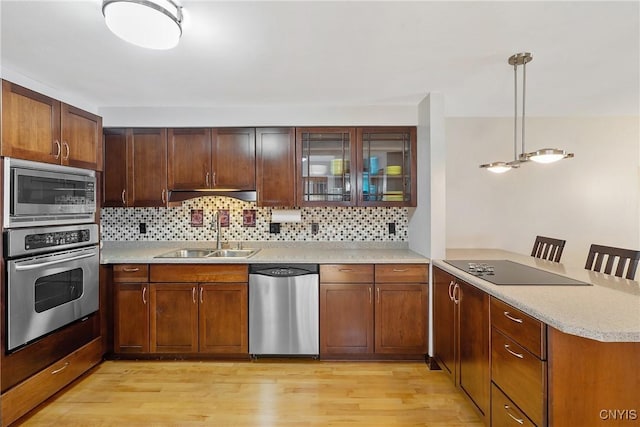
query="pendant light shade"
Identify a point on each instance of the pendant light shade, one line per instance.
(545, 155)
(152, 24)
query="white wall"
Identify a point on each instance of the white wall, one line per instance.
(592, 198)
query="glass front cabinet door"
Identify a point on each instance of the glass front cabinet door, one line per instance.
(327, 161)
(387, 163)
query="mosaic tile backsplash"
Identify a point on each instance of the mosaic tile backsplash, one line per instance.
(341, 224)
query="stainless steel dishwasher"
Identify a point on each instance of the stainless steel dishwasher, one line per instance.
(284, 310)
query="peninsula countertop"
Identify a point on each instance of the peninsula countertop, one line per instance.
(143, 252)
(608, 311)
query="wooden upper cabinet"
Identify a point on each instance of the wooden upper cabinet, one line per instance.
(189, 165)
(221, 158)
(115, 168)
(327, 166)
(387, 166)
(233, 159)
(30, 125)
(81, 138)
(275, 166)
(39, 128)
(135, 167)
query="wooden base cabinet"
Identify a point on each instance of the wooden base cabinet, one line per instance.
(174, 318)
(131, 308)
(30, 393)
(360, 318)
(461, 337)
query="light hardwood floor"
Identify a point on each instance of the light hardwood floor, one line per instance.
(259, 393)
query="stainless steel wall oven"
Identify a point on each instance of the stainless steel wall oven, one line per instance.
(52, 279)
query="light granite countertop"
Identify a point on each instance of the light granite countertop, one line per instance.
(608, 311)
(270, 252)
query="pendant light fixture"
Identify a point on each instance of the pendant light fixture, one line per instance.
(152, 24)
(545, 155)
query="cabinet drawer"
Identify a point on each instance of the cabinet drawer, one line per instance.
(402, 273)
(195, 273)
(346, 273)
(504, 412)
(520, 374)
(524, 329)
(130, 273)
(30, 393)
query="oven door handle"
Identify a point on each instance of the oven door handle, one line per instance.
(58, 261)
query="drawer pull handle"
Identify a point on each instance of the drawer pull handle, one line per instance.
(518, 355)
(400, 270)
(370, 301)
(130, 269)
(345, 270)
(518, 420)
(144, 295)
(451, 283)
(514, 319)
(193, 295)
(60, 369)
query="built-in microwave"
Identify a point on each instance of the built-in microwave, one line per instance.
(44, 194)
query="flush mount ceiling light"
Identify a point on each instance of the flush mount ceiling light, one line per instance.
(545, 155)
(153, 24)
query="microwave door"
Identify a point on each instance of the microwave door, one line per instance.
(43, 193)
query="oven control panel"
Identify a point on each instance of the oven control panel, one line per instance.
(30, 241)
(57, 238)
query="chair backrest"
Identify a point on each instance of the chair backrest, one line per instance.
(548, 248)
(626, 258)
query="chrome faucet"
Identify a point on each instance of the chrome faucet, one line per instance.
(218, 228)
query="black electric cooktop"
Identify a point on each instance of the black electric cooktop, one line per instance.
(504, 272)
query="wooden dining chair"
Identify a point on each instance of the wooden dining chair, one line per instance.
(626, 258)
(548, 248)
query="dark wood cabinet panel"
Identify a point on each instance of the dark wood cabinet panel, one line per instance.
(189, 164)
(275, 167)
(233, 159)
(223, 318)
(147, 167)
(39, 128)
(444, 318)
(135, 167)
(346, 318)
(520, 375)
(174, 318)
(30, 125)
(360, 317)
(131, 318)
(473, 333)
(401, 318)
(194, 273)
(346, 273)
(81, 138)
(461, 337)
(115, 168)
(504, 413)
(402, 273)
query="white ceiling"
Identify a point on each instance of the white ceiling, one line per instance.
(238, 53)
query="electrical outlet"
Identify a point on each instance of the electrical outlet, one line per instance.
(392, 227)
(143, 228)
(274, 227)
(314, 228)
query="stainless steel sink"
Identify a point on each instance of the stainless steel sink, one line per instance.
(209, 252)
(187, 253)
(233, 253)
